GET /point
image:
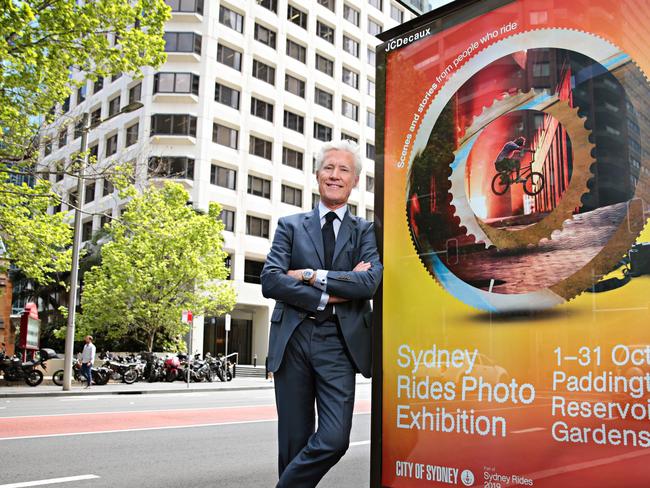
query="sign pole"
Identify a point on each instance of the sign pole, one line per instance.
(225, 362)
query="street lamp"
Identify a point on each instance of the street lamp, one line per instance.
(76, 242)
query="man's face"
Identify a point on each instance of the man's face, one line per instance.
(336, 178)
(87, 339)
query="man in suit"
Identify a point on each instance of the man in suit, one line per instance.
(322, 270)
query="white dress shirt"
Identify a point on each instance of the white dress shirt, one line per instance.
(88, 354)
(321, 274)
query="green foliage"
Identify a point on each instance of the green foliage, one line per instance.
(43, 43)
(163, 258)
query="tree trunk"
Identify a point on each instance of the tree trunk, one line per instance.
(152, 336)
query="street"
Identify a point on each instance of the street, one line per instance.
(196, 439)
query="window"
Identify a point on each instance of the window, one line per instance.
(78, 129)
(225, 135)
(350, 78)
(351, 46)
(89, 193)
(372, 57)
(329, 4)
(370, 183)
(296, 51)
(265, 36)
(135, 93)
(370, 215)
(66, 104)
(371, 88)
(541, 69)
(173, 125)
(291, 157)
(107, 188)
(182, 42)
(72, 199)
(315, 198)
(63, 137)
(291, 195)
(294, 121)
(370, 151)
(47, 149)
(351, 14)
(271, 5)
(113, 106)
(81, 93)
(376, 3)
(348, 137)
(95, 117)
(116, 76)
(294, 85)
(252, 270)
(188, 6)
(172, 167)
(261, 109)
(352, 208)
(263, 72)
(297, 16)
(111, 145)
(396, 13)
(228, 219)
(104, 221)
(370, 119)
(87, 230)
(350, 110)
(323, 98)
(229, 57)
(226, 95)
(259, 187)
(374, 28)
(260, 147)
(256, 226)
(98, 84)
(324, 31)
(322, 132)
(176, 83)
(325, 65)
(231, 19)
(132, 134)
(224, 177)
(93, 152)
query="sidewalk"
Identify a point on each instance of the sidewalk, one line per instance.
(139, 388)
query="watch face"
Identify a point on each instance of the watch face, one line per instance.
(307, 274)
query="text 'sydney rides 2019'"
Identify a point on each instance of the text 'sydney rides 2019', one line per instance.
(514, 165)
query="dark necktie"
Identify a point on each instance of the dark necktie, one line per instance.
(329, 242)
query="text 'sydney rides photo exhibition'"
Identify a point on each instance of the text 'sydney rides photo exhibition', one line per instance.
(514, 347)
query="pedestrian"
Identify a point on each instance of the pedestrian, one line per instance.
(323, 268)
(87, 359)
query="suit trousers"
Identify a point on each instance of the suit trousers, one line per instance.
(315, 369)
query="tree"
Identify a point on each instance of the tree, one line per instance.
(42, 44)
(163, 257)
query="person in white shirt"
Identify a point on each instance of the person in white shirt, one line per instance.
(87, 359)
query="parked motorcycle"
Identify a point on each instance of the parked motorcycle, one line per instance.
(13, 368)
(173, 369)
(100, 376)
(120, 370)
(199, 370)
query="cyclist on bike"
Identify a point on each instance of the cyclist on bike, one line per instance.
(509, 159)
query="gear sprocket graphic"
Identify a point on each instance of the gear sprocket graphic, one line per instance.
(582, 161)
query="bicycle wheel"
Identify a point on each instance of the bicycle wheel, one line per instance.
(57, 378)
(500, 183)
(534, 183)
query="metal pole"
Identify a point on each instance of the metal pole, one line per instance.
(225, 362)
(189, 352)
(76, 247)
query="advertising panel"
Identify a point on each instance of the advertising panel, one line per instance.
(513, 199)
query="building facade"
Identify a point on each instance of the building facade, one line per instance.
(249, 92)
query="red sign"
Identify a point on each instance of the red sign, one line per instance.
(30, 328)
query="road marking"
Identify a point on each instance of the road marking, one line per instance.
(51, 481)
(547, 473)
(525, 431)
(143, 429)
(88, 397)
(352, 444)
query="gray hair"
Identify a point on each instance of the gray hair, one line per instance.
(340, 145)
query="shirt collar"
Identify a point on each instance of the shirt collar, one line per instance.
(323, 210)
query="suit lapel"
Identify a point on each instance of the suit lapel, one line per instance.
(345, 231)
(312, 225)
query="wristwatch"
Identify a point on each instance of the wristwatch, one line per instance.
(307, 274)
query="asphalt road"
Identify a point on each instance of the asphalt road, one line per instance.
(200, 439)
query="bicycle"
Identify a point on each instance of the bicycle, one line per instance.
(533, 181)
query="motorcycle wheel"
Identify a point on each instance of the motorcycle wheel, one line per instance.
(229, 375)
(209, 376)
(130, 376)
(171, 375)
(100, 377)
(220, 375)
(57, 378)
(34, 377)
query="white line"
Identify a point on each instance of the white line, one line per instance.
(126, 395)
(142, 429)
(51, 481)
(525, 431)
(352, 444)
(547, 473)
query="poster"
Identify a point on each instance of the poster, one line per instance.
(515, 196)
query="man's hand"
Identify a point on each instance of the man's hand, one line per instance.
(362, 266)
(335, 300)
(295, 273)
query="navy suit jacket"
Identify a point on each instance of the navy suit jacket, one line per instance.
(298, 244)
